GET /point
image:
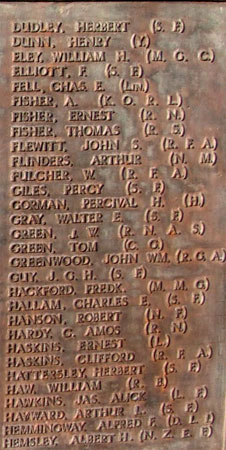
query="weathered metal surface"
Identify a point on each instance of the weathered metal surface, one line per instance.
(112, 225)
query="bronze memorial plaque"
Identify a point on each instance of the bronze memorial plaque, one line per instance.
(113, 251)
